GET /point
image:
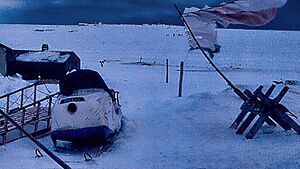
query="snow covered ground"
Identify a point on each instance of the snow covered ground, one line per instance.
(162, 130)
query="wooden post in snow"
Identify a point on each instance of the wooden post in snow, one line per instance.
(180, 80)
(167, 70)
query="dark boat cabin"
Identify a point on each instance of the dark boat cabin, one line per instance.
(33, 64)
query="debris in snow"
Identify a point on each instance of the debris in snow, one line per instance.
(44, 30)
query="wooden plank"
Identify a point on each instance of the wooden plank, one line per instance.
(268, 94)
(49, 112)
(246, 107)
(37, 115)
(6, 121)
(167, 70)
(260, 121)
(34, 93)
(246, 123)
(269, 102)
(270, 90)
(280, 122)
(238, 120)
(180, 80)
(281, 94)
(22, 121)
(257, 125)
(248, 93)
(270, 122)
(288, 120)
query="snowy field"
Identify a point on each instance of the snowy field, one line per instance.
(162, 130)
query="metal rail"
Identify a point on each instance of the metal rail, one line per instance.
(19, 90)
(25, 108)
(35, 141)
(21, 115)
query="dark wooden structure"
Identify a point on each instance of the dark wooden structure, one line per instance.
(33, 64)
(268, 110)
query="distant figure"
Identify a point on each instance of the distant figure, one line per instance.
(45, 47)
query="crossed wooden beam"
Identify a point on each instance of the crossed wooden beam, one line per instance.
(269, 111)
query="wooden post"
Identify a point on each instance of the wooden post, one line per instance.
(7, 103)
(37, 117)
(180, 80)
(22, 120)
(5, 120)
(22, 98)
(49, 111)
(167, 70)
(246, 123)
(34, 93)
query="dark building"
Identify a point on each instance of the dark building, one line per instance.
(32, 64)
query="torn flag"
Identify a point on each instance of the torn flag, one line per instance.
(245, 12)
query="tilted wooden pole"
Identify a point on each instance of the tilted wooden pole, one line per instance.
(167, 70)
(180, 80)
(235, 89)
(50, 154)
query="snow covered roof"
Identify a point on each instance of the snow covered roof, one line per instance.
(5, 47)
(43, 57)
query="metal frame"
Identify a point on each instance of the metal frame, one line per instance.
(27, 109)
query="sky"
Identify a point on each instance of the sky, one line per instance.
(121, 12)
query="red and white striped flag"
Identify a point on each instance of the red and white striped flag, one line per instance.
(245, 12)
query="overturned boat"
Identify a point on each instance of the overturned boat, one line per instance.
(86, 109)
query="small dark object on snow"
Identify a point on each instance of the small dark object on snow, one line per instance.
(210, 51)
(268, 110)
(87, 157)
(38, 153)
(45, 47)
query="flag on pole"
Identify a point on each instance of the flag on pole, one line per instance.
(243, 12)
